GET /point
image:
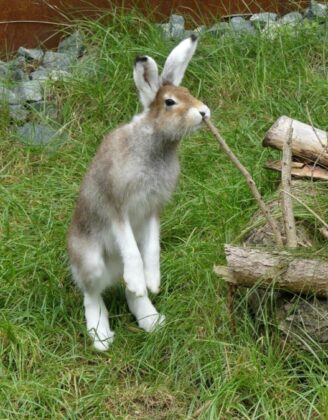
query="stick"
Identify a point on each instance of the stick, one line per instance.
(286, 199)
(231, 305)
(249, 180)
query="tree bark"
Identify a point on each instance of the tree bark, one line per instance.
(308, 143)
(286, 271)
(286, 199)
(300, 170)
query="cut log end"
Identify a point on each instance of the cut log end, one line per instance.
(309, 143)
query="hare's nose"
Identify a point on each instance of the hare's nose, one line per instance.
(204, 111)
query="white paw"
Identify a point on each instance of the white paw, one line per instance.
(151, 322)
(153, 280)
(102, 340)
(135, 282)
(138, 288)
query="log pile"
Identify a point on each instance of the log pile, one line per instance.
(297, 276)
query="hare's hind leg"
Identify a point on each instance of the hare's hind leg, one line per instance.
(145, 312)
(92, 277)
(97, 321)
(150, 250)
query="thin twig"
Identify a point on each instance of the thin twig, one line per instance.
(309, 209)
(249, 180)
(286, 200)
(231, 305)
(43, 22)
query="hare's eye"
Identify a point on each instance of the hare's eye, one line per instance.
(169, 102)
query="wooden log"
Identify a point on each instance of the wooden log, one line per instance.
(300, 169)
(308, 143)
(250, 266)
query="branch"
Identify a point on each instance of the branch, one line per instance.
(249, 180)
(286, 199)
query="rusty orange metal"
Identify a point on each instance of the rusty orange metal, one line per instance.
(31, 22)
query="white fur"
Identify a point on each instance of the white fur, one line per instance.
(177, 61)
(150, 251)
(97, 321)
(148, 86)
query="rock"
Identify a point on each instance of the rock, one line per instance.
(17, 63)
(39, 134)
(165, 29)
(259, 20)
(174, 29)
(177, 26)
(318, 10)
(29, 91)
(19, 75)
(57, 61)
(31, 54)
(56, 75)
(40, 74)
(219, 28)
(18, 113)
(274, 29)
(6, 95)
(45, 108)
(73, 44)
(292, 18)
(239, 24)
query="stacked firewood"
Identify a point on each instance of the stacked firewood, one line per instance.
(284, 262)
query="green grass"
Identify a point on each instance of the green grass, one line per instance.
(194, 365)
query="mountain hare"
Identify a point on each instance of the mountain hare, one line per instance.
(114, 232)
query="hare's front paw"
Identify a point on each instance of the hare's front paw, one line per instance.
(135, 282)
(153, 280)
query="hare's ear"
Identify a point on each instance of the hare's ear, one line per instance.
(145, 75)
(178, 60)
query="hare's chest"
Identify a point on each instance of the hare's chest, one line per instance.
(154, 187)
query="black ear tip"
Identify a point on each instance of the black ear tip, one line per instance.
(140, 59)
(193, 37)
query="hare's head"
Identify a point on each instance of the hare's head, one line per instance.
(172, 108)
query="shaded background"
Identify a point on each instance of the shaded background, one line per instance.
(29, 22)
